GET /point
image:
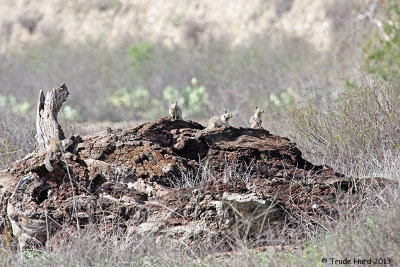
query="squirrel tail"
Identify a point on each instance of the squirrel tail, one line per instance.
(200, 132)
(47, 162)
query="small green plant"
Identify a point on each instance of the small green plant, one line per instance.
(107, 4)
(120, 98)
(138, 100)
(11, 103)
(381, 51)
(71, 114)
(175, 20)
(34, 256)
(139, 53)
(286, 99)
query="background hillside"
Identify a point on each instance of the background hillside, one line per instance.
(173, 23)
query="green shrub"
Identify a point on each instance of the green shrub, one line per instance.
(138, 101)
(139, 53)
(286, 99)
(382, 48)
(10, 103)
(71, 114)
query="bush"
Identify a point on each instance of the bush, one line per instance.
(381, 51)
(139, 53)
(356, 133)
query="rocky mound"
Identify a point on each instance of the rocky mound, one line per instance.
(159, 180)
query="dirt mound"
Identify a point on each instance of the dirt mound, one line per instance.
(164, 179)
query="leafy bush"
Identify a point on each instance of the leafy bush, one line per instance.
(11, 104)
(138, 101)
(71, 114)
(286, 99)
(381, 51)
(139, 53)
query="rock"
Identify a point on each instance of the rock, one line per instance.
(235, 184)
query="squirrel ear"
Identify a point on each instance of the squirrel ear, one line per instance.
(226, 111)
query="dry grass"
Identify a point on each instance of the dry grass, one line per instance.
(356, 133)
(228, 170)
(362, 232)
(17, 138)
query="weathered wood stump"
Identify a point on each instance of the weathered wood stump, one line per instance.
(47, 126)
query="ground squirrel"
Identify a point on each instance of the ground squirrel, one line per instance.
(218, 121)
(175, 112)
(55, 147)
(255, 120)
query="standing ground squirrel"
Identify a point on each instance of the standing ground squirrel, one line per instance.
(255, 120)
(55, 146)
(175, 112)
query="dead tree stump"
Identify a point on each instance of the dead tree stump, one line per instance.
(47, 126)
